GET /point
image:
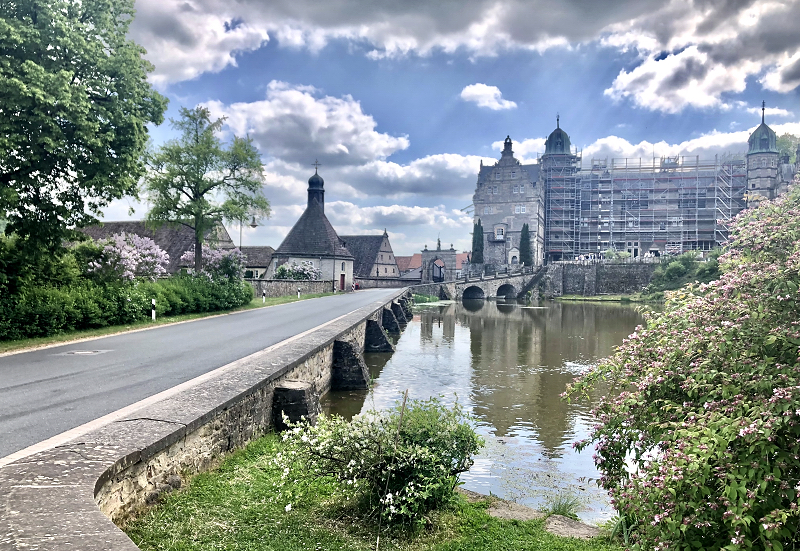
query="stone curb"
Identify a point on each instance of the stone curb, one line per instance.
(49, 500)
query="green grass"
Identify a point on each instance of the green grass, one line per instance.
(565, 505)
(422, 299)
(25, 344)
(239, 506)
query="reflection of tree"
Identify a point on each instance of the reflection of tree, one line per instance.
(520, 362)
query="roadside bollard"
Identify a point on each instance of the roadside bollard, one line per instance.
(298, 292)
(154, 310)
(263, 296)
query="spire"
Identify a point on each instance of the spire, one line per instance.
(558, 120)
(763, 108)
(316, 190)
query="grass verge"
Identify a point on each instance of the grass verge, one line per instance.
(40, 342)
(241, 506)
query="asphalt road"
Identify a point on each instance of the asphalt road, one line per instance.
(46, 392)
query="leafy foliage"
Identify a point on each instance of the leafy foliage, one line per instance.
(196, 181)
(303, 271)
(675, 272)
(75, 103)
(787, 145)
(219, 264)
(397, 470)
(127, 256)
(477, 243)
(702, 445)
(525, 256)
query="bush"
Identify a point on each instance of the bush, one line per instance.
(44, 311)
(702, 446)
(303, 271)
(422, 299)
(398, 475)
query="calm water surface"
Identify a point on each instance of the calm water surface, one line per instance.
(507, 363)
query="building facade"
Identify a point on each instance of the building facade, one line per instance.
(313, 239)
(373, 255)
(643, 207)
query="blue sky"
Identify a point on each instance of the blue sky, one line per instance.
(400, 101)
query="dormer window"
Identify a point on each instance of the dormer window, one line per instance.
(498, 232)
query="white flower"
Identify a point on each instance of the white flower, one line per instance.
(288, 508)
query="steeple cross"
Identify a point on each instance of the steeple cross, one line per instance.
(316, 164)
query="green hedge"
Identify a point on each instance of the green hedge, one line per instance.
(45, 311)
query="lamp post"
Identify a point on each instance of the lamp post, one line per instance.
(253, 224)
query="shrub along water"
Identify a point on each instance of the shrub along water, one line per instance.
(701, 449)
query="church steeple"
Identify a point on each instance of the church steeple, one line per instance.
(316, 191)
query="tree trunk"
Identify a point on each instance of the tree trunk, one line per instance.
(198, 251)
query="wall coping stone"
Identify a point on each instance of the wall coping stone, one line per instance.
(47, 499)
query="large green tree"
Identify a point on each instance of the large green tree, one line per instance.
(74, 105)
(477, 243)
(198, 181)
(787, 145)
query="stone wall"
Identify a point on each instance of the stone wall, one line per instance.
(287, 287)
(382, 282)
(566, 278)
(62, 498)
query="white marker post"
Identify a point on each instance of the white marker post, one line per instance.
(263, 296)
(154, 310)
(298, 292)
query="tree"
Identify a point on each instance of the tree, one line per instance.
(787, 145)
(525, 256)
(698, 436)
(74, 105)
(127, 256)
(477, 243)
(195, 181)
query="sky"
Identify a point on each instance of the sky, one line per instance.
(400, 101)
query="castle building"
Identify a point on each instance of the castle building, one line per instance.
(643, 207)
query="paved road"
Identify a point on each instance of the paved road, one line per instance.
(46, 392)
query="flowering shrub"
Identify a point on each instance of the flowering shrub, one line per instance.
(219, 263)
(305, 270)
(128, 256)
(434, 444)
(701, 448)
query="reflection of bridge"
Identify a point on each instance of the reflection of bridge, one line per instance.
(508, 285)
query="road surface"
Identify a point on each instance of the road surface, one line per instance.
(46, 392)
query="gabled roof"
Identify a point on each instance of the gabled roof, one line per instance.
(402, 263)
(257, 257)
(313, 236)
(365, 250)
(174, 239)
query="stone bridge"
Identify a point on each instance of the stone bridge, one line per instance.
(514, 285)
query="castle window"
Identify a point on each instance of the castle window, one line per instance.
(523, 209)
(494, 190)
(522, 188)
(516, 189)
(516, 209)
(497, 176)
(773, 162)
(498, 232)
(513, 174)
(485, 210)
(763, 162)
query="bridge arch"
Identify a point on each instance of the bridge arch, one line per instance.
(473, 292)
(507, 290)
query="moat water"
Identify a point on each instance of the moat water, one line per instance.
(507, 363)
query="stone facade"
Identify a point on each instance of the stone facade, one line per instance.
(288, 287)
(508, 195)
(567, 278)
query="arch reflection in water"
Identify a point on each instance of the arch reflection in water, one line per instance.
(508, 364)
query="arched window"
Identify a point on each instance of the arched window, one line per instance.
(514, 260)
(342, 266)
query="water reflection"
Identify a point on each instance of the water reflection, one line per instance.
(508, 363)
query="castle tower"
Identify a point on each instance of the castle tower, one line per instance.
(762, 163)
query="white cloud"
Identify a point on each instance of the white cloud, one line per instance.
(486, 96)
(706, 146)
(298, 124)
(770, 112)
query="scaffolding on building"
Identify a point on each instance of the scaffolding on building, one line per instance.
(668, 205)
